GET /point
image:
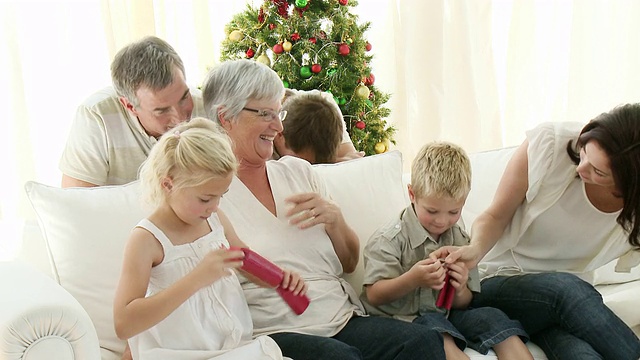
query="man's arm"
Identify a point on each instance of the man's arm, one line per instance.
(84, 161)
(68, 181)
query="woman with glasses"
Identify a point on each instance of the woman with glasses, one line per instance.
(282, 210)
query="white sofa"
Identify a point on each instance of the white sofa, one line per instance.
(70, 316)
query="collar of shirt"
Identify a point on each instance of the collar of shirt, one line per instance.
(418, 235)
(133, 120)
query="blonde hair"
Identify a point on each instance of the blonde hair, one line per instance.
(190, 154)
(441, 169)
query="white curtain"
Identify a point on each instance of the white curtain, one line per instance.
(478, 73)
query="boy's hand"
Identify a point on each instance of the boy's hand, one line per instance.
(293, 282)
(458, 275)
(428, 273)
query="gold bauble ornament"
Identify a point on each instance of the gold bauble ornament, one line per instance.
(236, 35)
(380, 148)
(264, 59)
(286, 46)
(362, 92)
(387, 143)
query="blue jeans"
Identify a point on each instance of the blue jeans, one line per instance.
(479, 328)
(370, 337)
(563, 314)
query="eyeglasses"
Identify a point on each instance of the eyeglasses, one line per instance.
(268, 115)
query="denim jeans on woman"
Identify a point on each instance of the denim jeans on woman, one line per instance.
(371, 338)
(562, 314)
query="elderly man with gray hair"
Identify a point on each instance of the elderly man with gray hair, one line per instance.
(116, 127)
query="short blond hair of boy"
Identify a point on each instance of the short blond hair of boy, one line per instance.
(441, 169)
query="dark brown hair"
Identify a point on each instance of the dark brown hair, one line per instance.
(314, 123)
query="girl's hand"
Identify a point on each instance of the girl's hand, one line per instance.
(216, 265)
(428, 273)
(293, 282)
(310, 209)
(458, 275)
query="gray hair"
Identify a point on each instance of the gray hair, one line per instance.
(149, 62)
(228, 86)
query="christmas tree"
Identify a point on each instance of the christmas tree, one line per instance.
(317, 44)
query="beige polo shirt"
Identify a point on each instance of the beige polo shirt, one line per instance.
(107, 144)
(394, 249)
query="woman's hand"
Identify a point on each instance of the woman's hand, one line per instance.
(310, 209)
(293, 282)
(469, 255)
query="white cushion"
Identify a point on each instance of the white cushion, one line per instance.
(85, 230)
(487, 168)
(370, 193)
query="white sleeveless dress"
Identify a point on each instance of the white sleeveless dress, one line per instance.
(214, 323)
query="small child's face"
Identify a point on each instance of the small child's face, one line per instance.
(195, 204)
(437, 214)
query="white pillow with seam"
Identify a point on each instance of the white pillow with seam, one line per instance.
(370, 193)
(85, 230)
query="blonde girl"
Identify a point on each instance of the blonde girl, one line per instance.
(178, 297)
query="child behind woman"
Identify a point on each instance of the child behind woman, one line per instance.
(313, 129)
(178, 297)
(402, 280)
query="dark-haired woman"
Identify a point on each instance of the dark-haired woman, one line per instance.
(568, 203)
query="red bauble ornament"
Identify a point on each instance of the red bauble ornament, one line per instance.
(277, 48)
(343, 2)
(368, 46)
(316, 68)
(272, 26)
(343, 49)
(360, 124)
(312, 40)
(369, 80)
(250, 53)
(295, 37)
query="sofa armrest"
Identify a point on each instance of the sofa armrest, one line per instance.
(38, 318)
